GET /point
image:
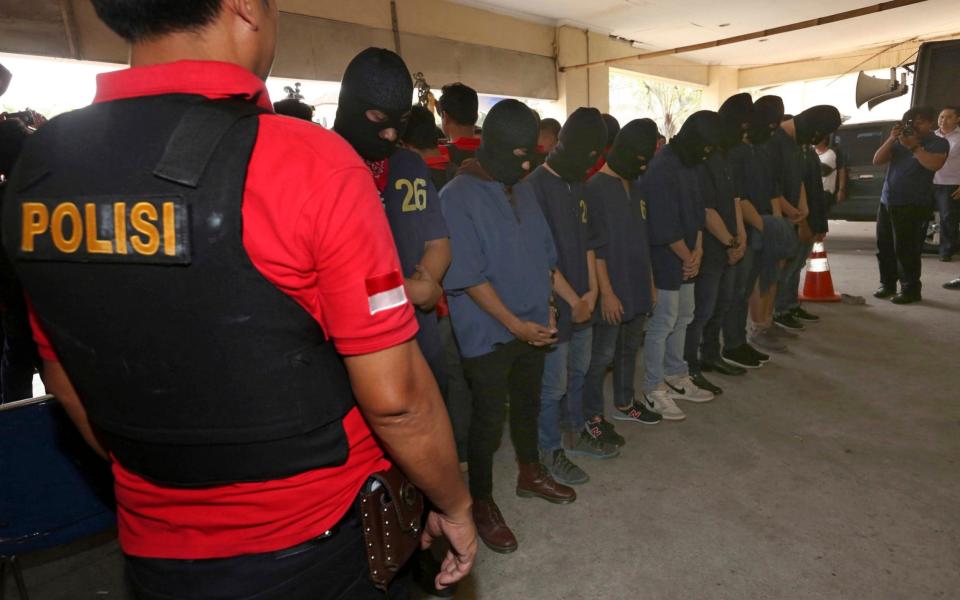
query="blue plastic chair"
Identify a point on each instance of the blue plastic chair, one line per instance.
(53, 488)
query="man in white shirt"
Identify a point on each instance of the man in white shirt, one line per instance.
(834, 171)
(946, 185)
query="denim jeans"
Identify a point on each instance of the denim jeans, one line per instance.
(901, 231)
(456, 392)
(949, 210)
(561, 395)
(666, 333)
(788, 292)
(709, 329)
(617, 344)
(705, 289)
(513, 370)
(745, 275)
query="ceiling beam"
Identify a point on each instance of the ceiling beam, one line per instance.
(843, 16)
(70, 28)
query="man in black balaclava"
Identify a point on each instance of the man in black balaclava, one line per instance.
(582, 139)
(375, 98)
(558, 185)
(767, 113)
(624, 278)
(499, 288)
(613, 128)
(675, 209)
(808, 128)
(374, 106)
(724, 247)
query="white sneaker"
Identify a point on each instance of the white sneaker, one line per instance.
(683, 388)
(659, 400)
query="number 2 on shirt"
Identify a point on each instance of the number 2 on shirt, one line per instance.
(416, 194)
(583, 211)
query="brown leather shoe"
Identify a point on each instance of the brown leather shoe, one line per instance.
(534, 481)
(492, 528)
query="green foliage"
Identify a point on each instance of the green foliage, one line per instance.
(669, 104)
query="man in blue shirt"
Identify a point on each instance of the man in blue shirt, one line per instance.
(625, 278)
(913, 154)
(676, 215)
(724, 246)
(558, 186)
(499, 288)
(403, 180)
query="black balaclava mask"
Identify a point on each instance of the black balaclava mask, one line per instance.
(376, 79)
(701, 132)
(634, 147)
(736, 113)
(509, 125)
(815, 123)
(582, 139)
(613, 128)
(767, 114)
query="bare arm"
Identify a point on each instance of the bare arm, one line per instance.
(929, 160)
(717, 227)
(885, 152)
(423, 288)
(750, 215)
(57, 382)
(436, 257)
(563, 289)
(679, 248)
(611, 309)
(399, 398)
(594, 291)
(533, 333)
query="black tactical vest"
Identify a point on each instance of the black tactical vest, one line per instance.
(124, 223)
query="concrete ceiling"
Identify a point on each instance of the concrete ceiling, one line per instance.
(664, 24)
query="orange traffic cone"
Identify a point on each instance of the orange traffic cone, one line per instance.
(818, 285)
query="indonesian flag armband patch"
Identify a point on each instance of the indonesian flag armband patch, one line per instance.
(385, 292)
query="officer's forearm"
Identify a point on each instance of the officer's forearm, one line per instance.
(57, 382)
(400, 399)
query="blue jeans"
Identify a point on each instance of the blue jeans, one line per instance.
(563, 374)
(714, 296)
(788, 292)
(666, 333)
(949, 210)
(617, 344)
(745, 275)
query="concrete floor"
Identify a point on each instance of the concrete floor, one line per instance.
(833, 472)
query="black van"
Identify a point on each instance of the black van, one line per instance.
(858, 143)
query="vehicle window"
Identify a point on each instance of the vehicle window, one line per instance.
(859, 145)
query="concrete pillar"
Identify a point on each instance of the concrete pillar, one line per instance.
(723, 82)
(583, 87)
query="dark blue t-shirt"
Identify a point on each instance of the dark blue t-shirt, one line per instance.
(719, 193)
(752, 177)
(501, 241)
(675, 212)
(621, 220)
(816, 198)
(565, 209)
(908, 183)
(415, 217)
(786, 165)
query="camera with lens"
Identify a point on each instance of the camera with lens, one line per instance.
(906, 128)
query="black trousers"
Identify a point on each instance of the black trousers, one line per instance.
(901, 231)
(332, 568)
(512, 370)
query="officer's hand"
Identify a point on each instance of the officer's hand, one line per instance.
(535, 334)
(909, 142)
(896, 131)
(461, 532)
(422, 290)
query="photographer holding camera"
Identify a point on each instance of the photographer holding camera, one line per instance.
(913, 154)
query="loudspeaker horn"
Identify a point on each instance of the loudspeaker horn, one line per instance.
(872, 90)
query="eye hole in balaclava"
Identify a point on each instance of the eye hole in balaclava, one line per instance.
(633, 147)
(582, 139)
(736, 113)
(767, 113)
(813, 124)
(375, 80)
(700, 134)
(510, 125)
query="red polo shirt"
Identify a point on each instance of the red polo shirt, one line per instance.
(314, 227)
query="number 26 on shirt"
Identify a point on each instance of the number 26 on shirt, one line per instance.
(415, 194)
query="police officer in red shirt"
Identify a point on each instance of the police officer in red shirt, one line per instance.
(221, 311)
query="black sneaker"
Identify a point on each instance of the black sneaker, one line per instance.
(906, 298)
(592, 444)
(952, 285)
(563, 470)
(803, 315)
(884, 292)
(638, 413)
(609, 433)
(704, 384)
(788, 321)
(763, 357)
(718, 365)
(742, 357)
